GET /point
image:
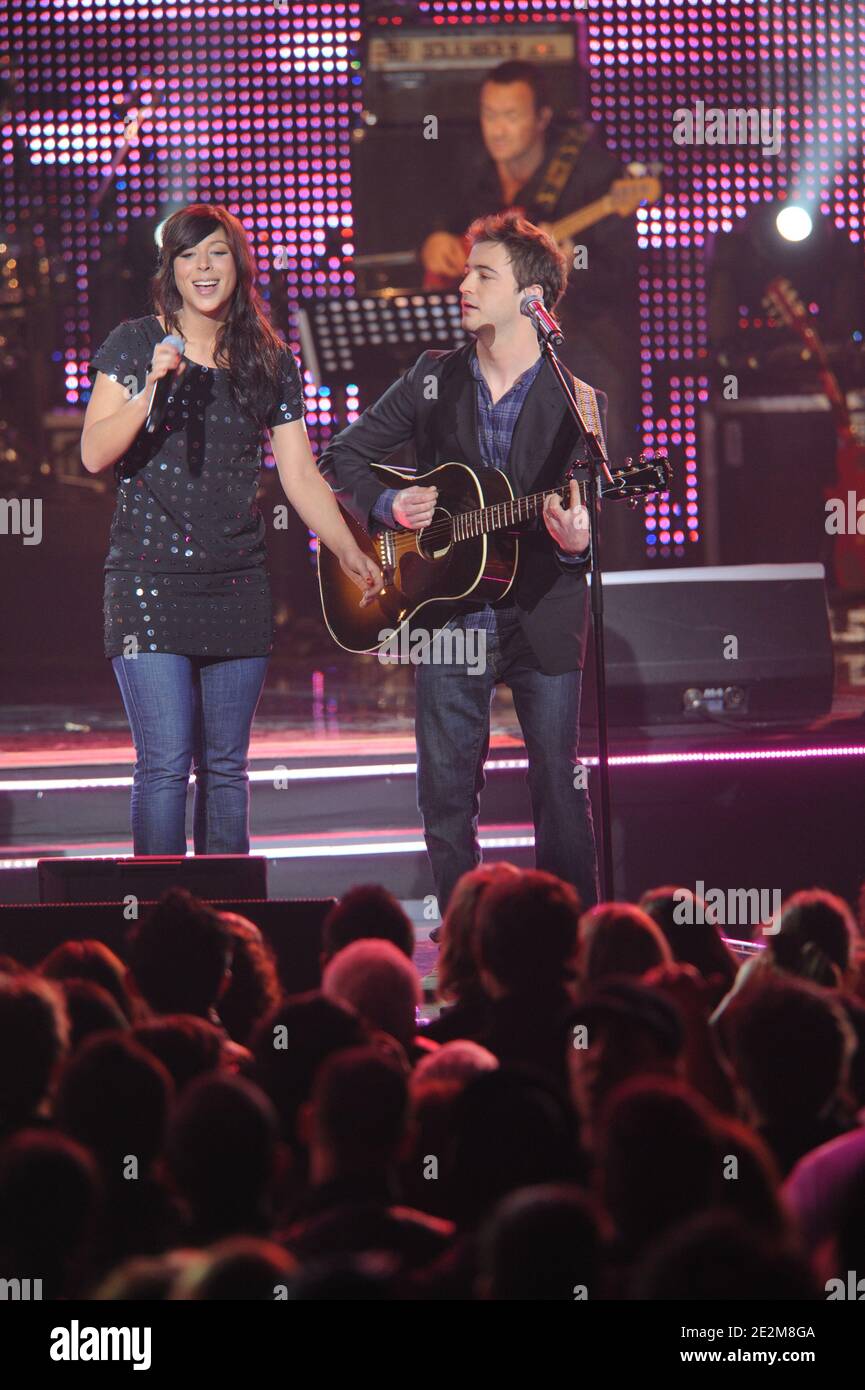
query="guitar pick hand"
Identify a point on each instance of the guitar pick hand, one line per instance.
(413, 507)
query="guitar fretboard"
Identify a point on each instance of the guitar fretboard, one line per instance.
(494, 518)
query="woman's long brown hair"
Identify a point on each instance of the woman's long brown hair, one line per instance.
(247, 346)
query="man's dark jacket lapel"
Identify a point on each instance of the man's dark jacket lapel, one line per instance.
(456, 427)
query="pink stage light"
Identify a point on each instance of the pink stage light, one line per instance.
(284, 79)
(407, 767)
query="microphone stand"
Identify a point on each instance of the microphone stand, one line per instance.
(598, 468)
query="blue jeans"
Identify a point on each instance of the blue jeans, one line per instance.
(190, 713)
(452, 726)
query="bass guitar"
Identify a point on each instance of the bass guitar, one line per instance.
(849, 551)
(622, 199)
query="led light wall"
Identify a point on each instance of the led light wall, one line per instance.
(253, 105)
(245, 105)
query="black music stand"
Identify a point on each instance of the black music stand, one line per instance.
(373, 338)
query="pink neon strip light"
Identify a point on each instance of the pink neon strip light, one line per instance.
(349, 771)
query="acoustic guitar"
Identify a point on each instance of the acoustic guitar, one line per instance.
(470, 548)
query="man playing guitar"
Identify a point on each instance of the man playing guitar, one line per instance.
(493, 403)
(548, 170)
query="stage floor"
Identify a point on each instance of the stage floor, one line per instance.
(332, 765)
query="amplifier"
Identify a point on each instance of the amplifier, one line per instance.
(410, 73)
(767, 463)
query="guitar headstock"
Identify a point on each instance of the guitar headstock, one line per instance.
(626, 195)
(645, 478)
(785, 306)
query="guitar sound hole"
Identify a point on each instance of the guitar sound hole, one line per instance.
(436, 540)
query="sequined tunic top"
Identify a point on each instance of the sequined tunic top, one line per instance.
(185, 571)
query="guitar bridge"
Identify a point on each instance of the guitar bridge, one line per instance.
(384, 544)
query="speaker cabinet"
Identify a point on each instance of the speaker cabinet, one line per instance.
(746, 644)
(291, 926)
(767, 465)
(147, 876)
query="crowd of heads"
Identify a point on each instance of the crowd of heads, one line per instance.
(606, 1104)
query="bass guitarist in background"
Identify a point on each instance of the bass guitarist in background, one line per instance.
(493, 403)
(549, 169)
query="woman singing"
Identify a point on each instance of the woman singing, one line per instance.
(187, 606)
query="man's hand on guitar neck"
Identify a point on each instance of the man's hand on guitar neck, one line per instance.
(568, 526)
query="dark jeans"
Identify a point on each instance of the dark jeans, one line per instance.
(190, 712)
(453, 739)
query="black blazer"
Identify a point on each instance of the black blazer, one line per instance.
(440, 420)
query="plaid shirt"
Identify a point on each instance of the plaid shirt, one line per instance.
(496, 425)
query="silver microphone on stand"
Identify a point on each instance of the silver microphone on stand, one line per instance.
(543, 320)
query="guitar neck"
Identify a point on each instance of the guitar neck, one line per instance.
(829, 381)
(787, 306)
(500, 515)
(584, 217)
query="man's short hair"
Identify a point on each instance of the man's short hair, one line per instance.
(517, 70)
(534, 257)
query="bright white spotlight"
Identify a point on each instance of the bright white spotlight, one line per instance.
(794, 223)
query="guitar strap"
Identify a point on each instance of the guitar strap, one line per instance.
(567, 443)
(437, 418)
(587, 400)
(568, 436)
(559, 169)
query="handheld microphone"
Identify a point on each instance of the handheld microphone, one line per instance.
(164, 386)
(544, 322)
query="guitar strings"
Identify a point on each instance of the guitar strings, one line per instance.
(404, 539)
(438, 530)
